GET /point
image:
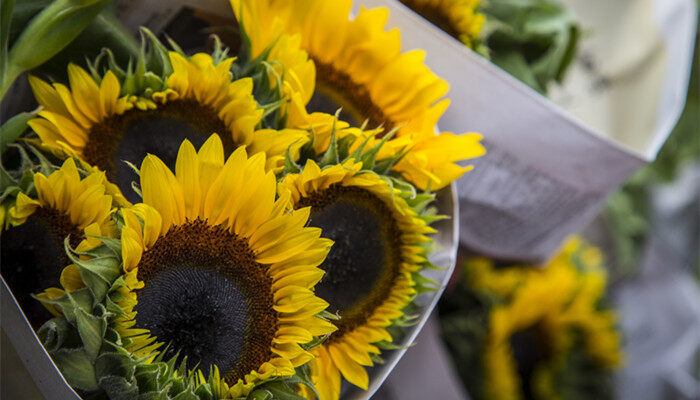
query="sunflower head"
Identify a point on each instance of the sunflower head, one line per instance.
(91, 314)
(219, 270)
(106, 119)
(64, 207)
(545, 324)
(457, 18)
(359, 67)
(372, 269)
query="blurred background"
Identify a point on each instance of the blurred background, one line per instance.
(649, 234)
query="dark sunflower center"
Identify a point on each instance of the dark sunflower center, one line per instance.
(33, 256)
(336, 89)
(530, 349)
(365, 259)
(132, 135)
(436, 15)
(205, 295)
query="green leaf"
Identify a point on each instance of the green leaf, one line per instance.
(281, 391)
(69, 302)
(112, 307)
(157, 58)
(114, 364)
(187, 395)
(48, 33)
(204, 392)
(113, 244)
(92, 330)
(11, 130)
(105, 31)
(118, 388)
(22, 13)
(331, 157)
(76, 366)
(290, 166)
(514, 63)
(533, 40)
(107, 268)
(377, 359)
(6, 8)
(259, 394)
(98, 273)
(147, 378)
(54, 333)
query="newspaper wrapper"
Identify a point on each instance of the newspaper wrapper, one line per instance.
(550, 166)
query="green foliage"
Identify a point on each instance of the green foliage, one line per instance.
(19, 163)
(11, 130)
(533, 40)
(144, 74)
(338, 152)
(582, 378)
(105, 31)
(266, 81)
(464, 315)
(48, 32)
(284, 388)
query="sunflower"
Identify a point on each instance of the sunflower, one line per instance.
(359, 67)
(546, 322)
(371, 268)
(457, 18)
(219, 270)
(61, 205)
(105, 122)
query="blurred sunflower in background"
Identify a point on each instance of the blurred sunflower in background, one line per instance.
(106, 119)
(372, 270)
(537, 332)
(458, 18)
(360, 69)
(50, 208)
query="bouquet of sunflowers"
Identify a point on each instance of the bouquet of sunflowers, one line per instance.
(534, 332)
(211, 226)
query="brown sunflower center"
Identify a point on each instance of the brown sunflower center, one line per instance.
(206, 296)
(530, 350)
(435, 14)
(336, 89)
(33, 256)
(132, 135)
(365, 259)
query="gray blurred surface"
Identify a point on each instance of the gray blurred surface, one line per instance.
(660, 308)
(425, 371)
(15, 381)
